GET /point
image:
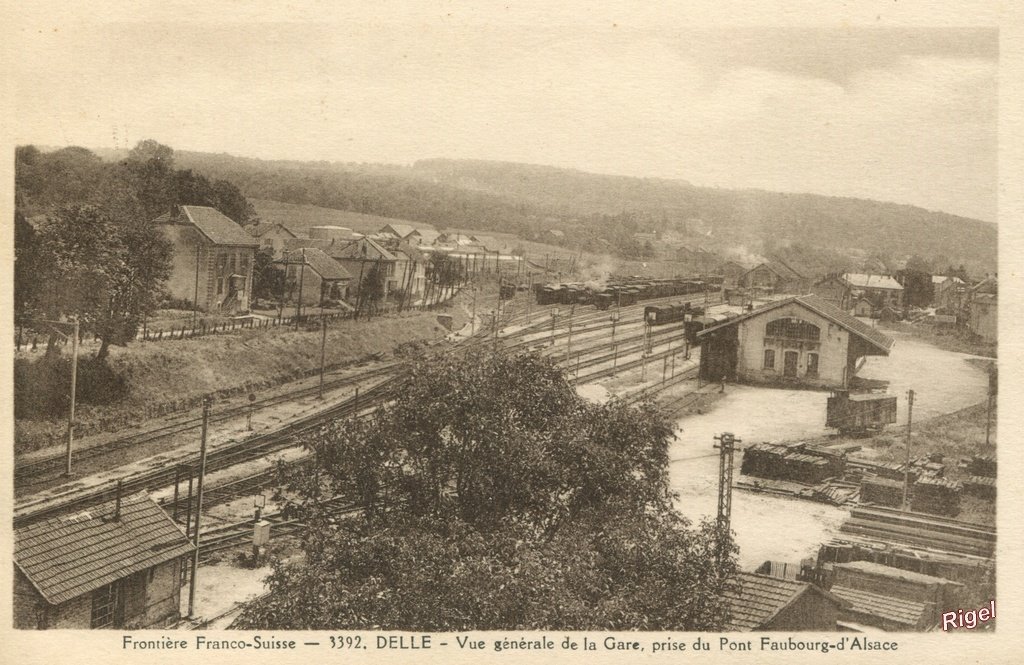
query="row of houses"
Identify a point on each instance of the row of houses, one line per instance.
(214, 258)
(872, 295)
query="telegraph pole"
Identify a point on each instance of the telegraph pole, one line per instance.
(472, 325)
(323, 350)
(302, 274)
(725, 446)
(529, 298)
(993, 388)
(568, 343)
(71, 411)
(199, 505)
(906, 469)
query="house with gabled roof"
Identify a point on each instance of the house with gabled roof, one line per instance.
(211, 265)
(423, 237)
(773, 277)
(312, 277)
(398, 230)
(361, 257)
(799, 341)
(881, 290)
(761, 602)
(271, 236)
(113, 565)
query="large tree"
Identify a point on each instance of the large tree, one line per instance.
(107, 273)
(493, 497)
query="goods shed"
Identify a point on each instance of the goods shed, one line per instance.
(797, 341)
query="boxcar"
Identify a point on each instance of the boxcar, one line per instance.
(859, 414)
(658, 315)
(603, 300)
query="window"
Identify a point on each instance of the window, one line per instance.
(812, 364)
(793, 329)
(104, 602)
(769, 359)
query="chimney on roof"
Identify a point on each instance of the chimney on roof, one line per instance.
(117, 503)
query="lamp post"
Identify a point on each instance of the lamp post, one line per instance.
(615, 320)
(554, 318)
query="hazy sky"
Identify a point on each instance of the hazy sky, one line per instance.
(906, 115)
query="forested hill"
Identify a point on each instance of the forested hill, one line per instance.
(731, 216)
(601, 212)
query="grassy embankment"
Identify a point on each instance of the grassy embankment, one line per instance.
(173, 375)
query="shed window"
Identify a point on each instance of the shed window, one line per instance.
(812, 364)
(769, 359)
(793, 329)
(104, 602)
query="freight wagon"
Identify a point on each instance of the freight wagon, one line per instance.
(700, 321)
(859, 414)
(657, 315)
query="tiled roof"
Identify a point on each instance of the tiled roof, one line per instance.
(779, 268)
(864, 281)
(352, 250)
(316, 259)
(323, 244)
(402, 230)
(897, 610)
(428, 236)
(881, 570)
(260, 230)
(823, 308)
(490, 242)
(220, 229)
(69, 555)
(758, 598)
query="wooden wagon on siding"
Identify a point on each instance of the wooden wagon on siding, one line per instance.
(859, 414)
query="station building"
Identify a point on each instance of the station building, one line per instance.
(797, 341)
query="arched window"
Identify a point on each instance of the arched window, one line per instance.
(792, 328)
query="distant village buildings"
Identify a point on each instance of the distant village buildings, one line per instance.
(879, 290)
(312, 277)
(271, 236)
(773, 277)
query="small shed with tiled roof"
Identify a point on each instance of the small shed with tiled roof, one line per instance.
(760, 602)
(799, 341)
(113, 565)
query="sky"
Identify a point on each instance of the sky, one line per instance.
(890, 113)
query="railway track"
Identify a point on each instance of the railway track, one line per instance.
(220, 458)
(28, 473)
(35, 508)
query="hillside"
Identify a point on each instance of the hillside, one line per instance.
(600, 213)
